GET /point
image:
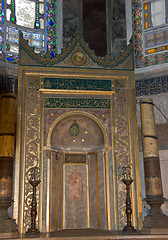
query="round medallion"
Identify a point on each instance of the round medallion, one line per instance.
(78, 58)
(74, 130)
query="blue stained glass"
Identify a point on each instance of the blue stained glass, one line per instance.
(160, 34)
(51, 23)
(13, 35)
(40, 39)
(52, 54)
(34, 39)
(160, 41)
(150, 36)
(26, 35)
(10, 59)
(150, 44)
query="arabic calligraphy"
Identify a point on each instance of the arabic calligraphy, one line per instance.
(75, 158)
(78, 84)
(152, 86)
(76, 103)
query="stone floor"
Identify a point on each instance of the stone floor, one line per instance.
(90, 234)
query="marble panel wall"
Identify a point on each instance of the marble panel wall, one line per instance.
(102, 189)
(60, 191)
(75, 200)
(53, 191)
(94, 218)
(56, 193)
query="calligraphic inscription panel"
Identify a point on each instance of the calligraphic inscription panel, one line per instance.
(75, 158)
(152, 86)
(76, 103)
(77, 84)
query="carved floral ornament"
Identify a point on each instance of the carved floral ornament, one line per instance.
(78, 58)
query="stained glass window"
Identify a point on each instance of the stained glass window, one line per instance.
(43, 28)
(155, 26)
(37, 19)
(151, 36)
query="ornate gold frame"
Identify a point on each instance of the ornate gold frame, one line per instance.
(26, 73)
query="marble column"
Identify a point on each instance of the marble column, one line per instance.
(153, 182)
(7, 143)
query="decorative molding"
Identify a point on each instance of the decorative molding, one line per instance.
(32, 146)
(121, 149)
(118, 86)
(48, 60)
(35, 84)
(76, 103)
(143, 87)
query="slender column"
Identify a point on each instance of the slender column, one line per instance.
(7, 142)
(153, 183)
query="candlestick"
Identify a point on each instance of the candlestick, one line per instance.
(34, 181)
(127, 180)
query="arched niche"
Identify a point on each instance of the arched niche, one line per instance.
(77, 133)
(78, 190)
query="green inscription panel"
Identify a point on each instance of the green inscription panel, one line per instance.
(77, 84)
(76, 103)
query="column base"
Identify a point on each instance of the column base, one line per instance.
(156, 221)
(7, 224)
